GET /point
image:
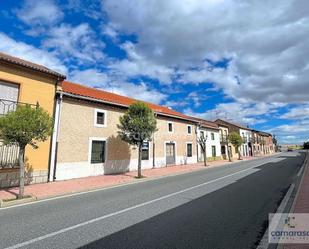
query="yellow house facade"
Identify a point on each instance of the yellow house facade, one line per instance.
(23, 82)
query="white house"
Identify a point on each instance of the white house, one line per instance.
(211, 132)
(246, 148)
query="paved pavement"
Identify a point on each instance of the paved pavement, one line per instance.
(222, 207)
(301, 203)
(51, 189)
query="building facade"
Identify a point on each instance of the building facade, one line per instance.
(87, 135)
(246, 147)
(23, 82)
(226, 146)
(85, 139)
(209, 131)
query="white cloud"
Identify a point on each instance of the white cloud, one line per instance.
(242, 113)
(89, 8)
(79, 42)
(297, 113)
(43, 12)
(107, 82)
(31, 53)
(266, 42)
(138, 65)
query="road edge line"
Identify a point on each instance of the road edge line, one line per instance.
(66, 195)
(263, 244)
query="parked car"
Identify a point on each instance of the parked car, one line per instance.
(290, 149)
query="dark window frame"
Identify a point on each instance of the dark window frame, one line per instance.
(213, 151)
(212, 136)
(189, 129)
(145, 150)
(170, 127)
(102, 157)
(191, 150)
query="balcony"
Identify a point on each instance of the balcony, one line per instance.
(9, 106)
(9, 156)
(9, 152)
(223, 139)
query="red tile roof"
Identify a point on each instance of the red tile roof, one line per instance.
(20, 62)
(232, 123)
(207, 124)
(84, 91)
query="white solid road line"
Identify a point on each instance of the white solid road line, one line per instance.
(119, 186)
(29, 242)
(299, 172)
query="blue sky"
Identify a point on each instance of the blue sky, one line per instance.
(242, 61)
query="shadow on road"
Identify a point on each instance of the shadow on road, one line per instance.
(232, 217)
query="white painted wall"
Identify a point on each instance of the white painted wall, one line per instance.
(244, 149)
(210, 142)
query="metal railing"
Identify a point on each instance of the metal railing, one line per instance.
(9, 156)
(223, 138)
(7, 106)
(9, 152)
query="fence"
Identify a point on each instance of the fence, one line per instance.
(9, 156)
(9, 152)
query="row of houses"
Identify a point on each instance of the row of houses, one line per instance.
(85, 138)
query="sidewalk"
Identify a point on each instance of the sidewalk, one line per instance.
(59, 188)
(301, 203)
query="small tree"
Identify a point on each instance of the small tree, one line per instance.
(236, 140)
(136, 127)
(25, 126)
(306, 146)
(201, 140)
(275, 142)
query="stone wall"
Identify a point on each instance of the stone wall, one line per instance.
(10, 177)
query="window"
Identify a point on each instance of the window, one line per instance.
(202, 134)
(189, 129)
(99, 118)
(97, 151)
(213, 151)
(9, 96)
(145, 151)
(170, 127)
(212, 136)
(189, 150)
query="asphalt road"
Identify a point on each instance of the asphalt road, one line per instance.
(223, 207)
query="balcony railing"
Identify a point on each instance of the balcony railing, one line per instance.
(9, 106)
(9, 156)
(223, 139)
(9, 152)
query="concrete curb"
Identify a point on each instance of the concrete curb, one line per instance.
(304, 169)
(134, 181)
(15, 202)
(286, 201)
(297, 189)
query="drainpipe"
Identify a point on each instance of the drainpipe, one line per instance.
(53, 161)
(197, 144)
(153, 148)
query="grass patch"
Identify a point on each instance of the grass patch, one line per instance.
(136, 177)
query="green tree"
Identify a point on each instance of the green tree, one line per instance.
(25, 126)
(137, 126)
(237, 141)
(306, 146)
(275, 142)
